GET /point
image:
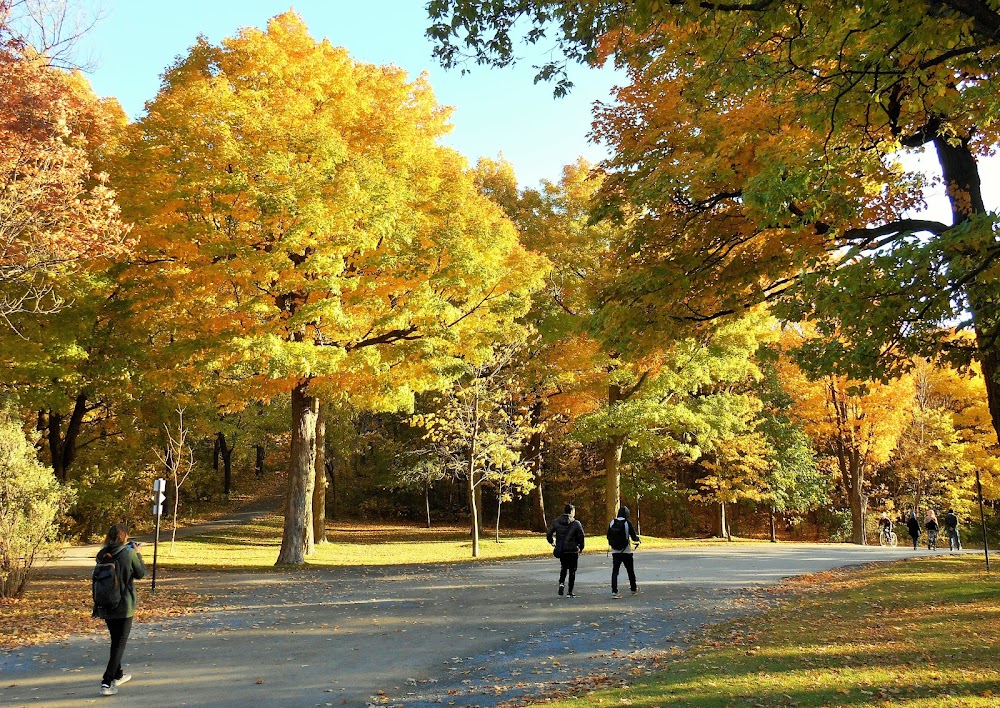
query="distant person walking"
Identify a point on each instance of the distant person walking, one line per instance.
(621, 534)
(931, 524)
(126, 562)
(567, 538)
(951, 528)
(913, 526)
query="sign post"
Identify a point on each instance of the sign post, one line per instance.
(159, 487)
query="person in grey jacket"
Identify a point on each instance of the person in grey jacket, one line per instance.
(623, 555)
(119, 619)
(566, 535)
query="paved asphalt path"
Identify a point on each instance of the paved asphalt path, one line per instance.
(465, 635)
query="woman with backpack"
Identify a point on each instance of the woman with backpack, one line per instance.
(567, 538)
(621, 533)
(119, 565)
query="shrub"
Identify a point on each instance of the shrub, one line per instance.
(110, 496)
(30, 503)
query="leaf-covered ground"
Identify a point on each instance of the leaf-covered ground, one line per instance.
(918, 633)
(54, 608)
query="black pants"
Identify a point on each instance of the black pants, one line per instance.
(119, 629)
(567, 566)
(617, 561)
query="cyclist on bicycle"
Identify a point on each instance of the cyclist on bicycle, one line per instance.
(885, 528)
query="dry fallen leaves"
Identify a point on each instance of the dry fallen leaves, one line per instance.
(54, 608)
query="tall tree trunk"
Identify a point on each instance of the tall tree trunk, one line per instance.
(319, 488)
(534, 454)
(774, 535)
(62, 448)
(471, 477)
(258, 465)
(724, 522)
(853, 475)
(612, 461)
(427, 502)
(296, 536)
(612, 475)
(960, 173)
(226, 452)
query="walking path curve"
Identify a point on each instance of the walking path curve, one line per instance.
(465, 634)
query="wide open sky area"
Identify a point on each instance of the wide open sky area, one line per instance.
(497, 111)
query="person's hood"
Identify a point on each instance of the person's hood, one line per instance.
(564, 520)
(623, 513)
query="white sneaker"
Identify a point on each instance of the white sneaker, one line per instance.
(108, 690)
(124, 679)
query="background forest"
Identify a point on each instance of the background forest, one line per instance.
(278, 281)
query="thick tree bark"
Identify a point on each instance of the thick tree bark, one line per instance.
(258, 465)
(612, 475)
(319, 488)
(960, 173)
(612, 460)
(538, 521)
(296, 537)
(62, 448)
(226, 452)
(471, 480)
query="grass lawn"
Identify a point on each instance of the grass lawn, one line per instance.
(923, 632)
(255, 546)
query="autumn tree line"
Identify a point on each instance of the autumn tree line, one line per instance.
(279, 261)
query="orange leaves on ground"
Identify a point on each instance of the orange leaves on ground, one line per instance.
(55, 608)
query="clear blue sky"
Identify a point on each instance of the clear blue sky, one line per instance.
(497, 111)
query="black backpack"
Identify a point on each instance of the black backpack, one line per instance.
(106, 583)
(618, 535)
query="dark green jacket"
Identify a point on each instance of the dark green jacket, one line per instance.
(132, 568)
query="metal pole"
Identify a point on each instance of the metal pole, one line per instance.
(156, 545)
(982, 520)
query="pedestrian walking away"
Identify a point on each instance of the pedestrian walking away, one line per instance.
(621, 535)
(567, 539)
(913, 526)
(931, 524)
(119, 565)
(951, 528)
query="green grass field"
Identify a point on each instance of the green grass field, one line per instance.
(255, 546)
(915, 633)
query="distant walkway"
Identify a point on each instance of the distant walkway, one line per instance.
(74, 560)
(418, 636)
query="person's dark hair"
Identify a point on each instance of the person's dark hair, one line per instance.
(568, 509)
(623, 512)
(117, 534)
(951, 511)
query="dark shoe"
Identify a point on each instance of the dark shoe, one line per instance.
(570, 594)
(561, 589)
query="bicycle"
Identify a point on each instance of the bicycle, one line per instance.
(887, 537)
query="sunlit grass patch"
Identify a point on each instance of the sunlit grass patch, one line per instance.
(917, 633)
(255, 546)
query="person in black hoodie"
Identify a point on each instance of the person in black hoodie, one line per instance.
(621, 553)
(913, 526)
(566, 535)
(119, 619)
